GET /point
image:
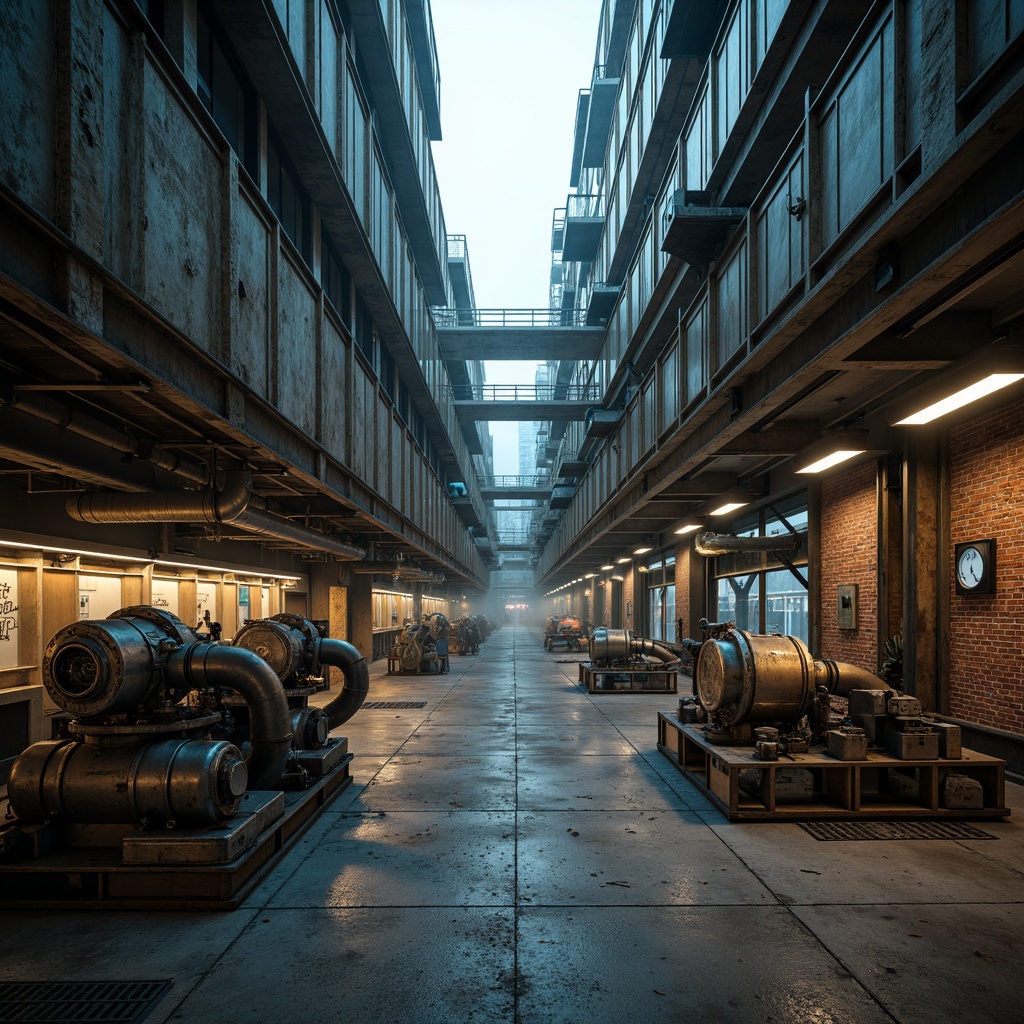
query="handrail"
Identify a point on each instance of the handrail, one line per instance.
(445, 316)
(579, 393)
(522, 482)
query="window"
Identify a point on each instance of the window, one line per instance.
(993, 23)
(337, 283)
(225, 91)
(660, 583)
(756, 590)
(286, 197)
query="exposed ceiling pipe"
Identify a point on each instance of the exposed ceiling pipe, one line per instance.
(90, 427)
(232, 506)
(400, 569)
(711, 544)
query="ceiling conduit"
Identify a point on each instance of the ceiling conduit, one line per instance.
(81, 423)
(402, 570)
(711, 544)
(231, 506)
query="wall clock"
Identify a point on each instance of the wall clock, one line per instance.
(974, 567)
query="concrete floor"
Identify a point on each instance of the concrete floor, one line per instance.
(518, 851)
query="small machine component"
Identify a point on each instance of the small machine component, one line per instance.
(848, 743)
(962, 793)
(950, 745)
(766, 743)
(903, 705)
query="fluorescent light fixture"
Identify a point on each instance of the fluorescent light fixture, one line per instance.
(607, 568)
(70, 550)
(642, 550)
(832, 450)
(618, 579)
(623, 560)
(958, 399)
(727, 507)
(978, 376)
(837, 457)
(590, 575)
(687, 528)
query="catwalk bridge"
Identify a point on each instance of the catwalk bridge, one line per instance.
(521, 334)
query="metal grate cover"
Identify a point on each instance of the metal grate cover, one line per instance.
(79, 1002)
(848, 830)
(392, 705)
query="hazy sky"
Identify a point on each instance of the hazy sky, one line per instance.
(511, 71)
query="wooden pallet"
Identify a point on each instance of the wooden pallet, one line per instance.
(619, 680)
(81, 878)
(881, 787)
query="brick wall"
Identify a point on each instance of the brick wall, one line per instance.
(986, 651)
(849, 554)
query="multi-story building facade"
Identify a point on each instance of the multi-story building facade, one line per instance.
(222, 390)
(797, 220)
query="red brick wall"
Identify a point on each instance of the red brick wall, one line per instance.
(682, 609)
(849, 554)
(986, 651)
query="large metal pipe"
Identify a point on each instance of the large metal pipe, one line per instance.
(711, 545)
(201, 665)
(232, 505)
(81, 423)
(400, 569)
(340, 654)
(621, 645)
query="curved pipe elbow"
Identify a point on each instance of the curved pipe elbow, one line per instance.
(841, 677)
(652, 650)
(201, 665)
(341, 654)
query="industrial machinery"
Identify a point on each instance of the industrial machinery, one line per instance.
(423, 647)
(743, 680)
(816, 736)
(619, 648)
(563, 629)
(293, 647)
(178, 751)
(144, 695)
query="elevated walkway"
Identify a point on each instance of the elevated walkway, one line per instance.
(516, 334)
(524, 401)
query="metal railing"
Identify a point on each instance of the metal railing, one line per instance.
(579, 206)
(526, 393)
(532, 483)
(445, 316)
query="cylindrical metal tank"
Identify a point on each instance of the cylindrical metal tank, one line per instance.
(610, 644)
(744, 677)
(188, 782)
(109, 666)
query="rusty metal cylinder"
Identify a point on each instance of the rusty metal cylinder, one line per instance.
(109, 666)
(188, 782)
(286, 643)
(310, 728)
(745, 677)
(611, 644)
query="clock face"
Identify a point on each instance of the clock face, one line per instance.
(970, 567)
(975, 566)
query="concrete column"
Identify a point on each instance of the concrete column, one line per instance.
(80, 140)
(360, 613)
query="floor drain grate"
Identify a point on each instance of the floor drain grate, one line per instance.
(393, 705)
(848, 830)
(71, 1002)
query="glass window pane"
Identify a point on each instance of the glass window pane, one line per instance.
(739, 602)
(785, 605)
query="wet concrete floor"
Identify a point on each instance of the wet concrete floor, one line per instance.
(518, 851)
